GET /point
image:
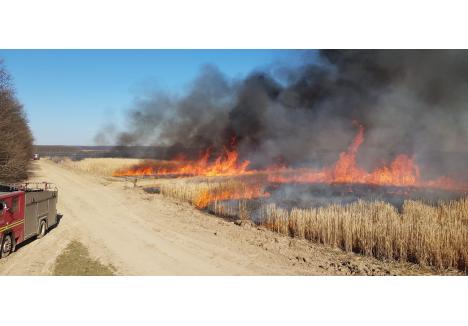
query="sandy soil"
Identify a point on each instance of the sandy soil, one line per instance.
(143, 234)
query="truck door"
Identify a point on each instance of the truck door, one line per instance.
(3, 213)
(16, 209)
(9, 216)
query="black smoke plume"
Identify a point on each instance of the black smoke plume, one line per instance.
(410, 101)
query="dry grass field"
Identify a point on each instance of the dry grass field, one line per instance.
(429, 235)
(96, 166)
(203, 191)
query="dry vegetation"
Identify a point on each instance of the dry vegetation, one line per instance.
(96, 166)
(428, 235)
(202, 191)
(435, 236)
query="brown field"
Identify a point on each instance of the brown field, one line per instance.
(424, 234)
(429, 235)
(435, 236)
(96, 166)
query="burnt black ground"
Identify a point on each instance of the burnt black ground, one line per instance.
(288, 196)
(316, 195)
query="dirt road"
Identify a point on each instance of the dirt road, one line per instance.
(143, 234)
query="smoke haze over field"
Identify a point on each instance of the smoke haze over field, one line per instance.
(410, 102)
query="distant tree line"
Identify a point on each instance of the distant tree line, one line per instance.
(16, 140)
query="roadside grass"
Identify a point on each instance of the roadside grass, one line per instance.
(96, 166)
(75, 261)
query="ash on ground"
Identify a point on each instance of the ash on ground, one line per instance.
(288, 196)
(317, 195)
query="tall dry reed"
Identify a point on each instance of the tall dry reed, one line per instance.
(423, 234)
(97, 166)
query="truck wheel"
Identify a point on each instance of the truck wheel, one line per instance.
(7, 244)
(42, 229)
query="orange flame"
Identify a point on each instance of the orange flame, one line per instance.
(402, 171)
(243, 192)
(224, 165)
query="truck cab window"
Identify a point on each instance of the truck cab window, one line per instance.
(2, 207)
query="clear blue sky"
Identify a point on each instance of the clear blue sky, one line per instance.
(69, 95)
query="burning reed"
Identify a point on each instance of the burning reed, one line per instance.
(200, 192)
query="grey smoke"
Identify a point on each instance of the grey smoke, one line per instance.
(410, 102)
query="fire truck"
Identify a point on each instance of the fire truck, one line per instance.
(26, 211)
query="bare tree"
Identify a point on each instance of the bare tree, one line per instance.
(16, 141)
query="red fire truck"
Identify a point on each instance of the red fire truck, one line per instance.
(26, 211)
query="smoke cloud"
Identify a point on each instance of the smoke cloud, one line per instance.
(410, 102)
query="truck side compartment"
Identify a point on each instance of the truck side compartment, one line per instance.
(39, 205)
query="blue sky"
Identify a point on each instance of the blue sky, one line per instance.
(69, 95)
